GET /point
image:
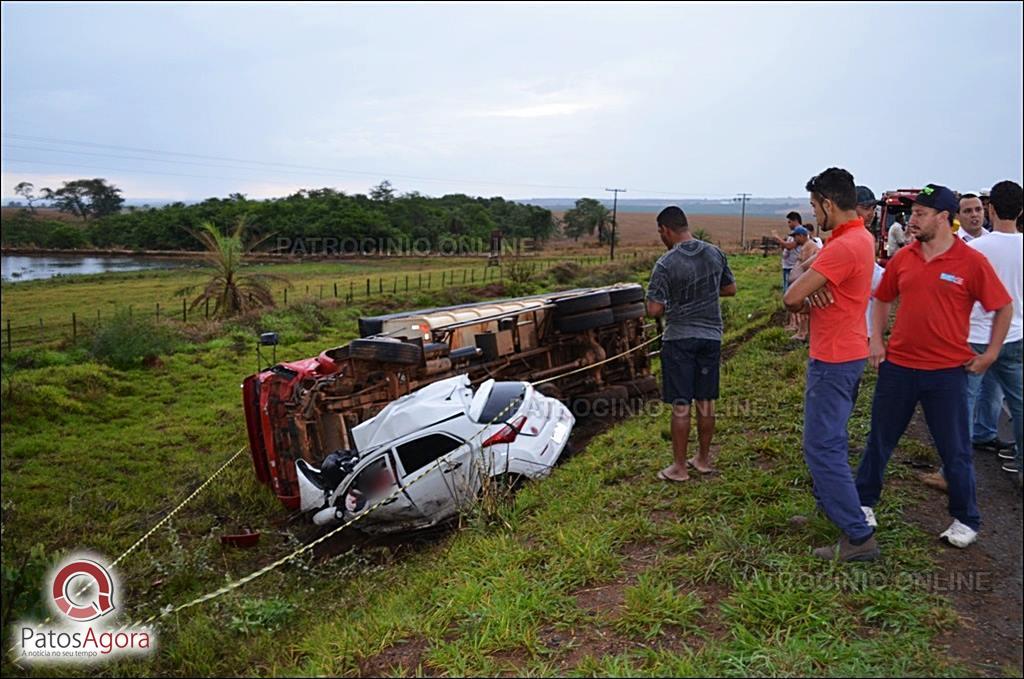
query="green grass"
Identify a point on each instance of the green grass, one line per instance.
(94, 456)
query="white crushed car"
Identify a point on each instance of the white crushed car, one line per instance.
(430, 452)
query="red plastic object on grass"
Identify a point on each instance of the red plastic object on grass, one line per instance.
(247, 538)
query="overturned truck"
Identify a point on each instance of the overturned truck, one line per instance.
(305, 410)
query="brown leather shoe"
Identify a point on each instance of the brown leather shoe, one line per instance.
(845, 551)
(935, 480)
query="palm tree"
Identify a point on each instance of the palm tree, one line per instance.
(232, 292)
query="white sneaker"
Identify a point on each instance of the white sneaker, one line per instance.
(958, 534)
(869, 516)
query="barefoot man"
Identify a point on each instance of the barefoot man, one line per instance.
(684, 288)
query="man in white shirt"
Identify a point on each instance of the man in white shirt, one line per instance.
(866, 204)
(1004, 249)
(972, 218)
(897, 237)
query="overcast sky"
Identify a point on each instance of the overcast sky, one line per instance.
(513, 100)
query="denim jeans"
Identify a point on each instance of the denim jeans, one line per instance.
(785, 280)
(984, 402)
(943, 397)
(1005, 375)
(828, 401)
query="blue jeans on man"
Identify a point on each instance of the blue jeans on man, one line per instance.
(943, 397)
(985, 394)
(829, 397)
(985, 405)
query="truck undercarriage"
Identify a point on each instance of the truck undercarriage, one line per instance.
(306, 409)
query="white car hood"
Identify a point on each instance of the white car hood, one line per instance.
(413, 412)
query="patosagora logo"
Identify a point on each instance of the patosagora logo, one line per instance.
(81, 591)
(68, 587)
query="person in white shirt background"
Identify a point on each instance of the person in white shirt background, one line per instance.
(1004, 249)
(972, 218)
(897, 237)
(866, 204)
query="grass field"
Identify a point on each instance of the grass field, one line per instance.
(34, 312)
(599, 570)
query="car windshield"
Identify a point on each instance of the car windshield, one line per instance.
(504, 401)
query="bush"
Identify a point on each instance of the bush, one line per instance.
(566, 272)
(126, 341)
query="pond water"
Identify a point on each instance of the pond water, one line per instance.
(15, 268)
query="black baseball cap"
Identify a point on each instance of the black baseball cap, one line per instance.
(938, 198)
(866, 196)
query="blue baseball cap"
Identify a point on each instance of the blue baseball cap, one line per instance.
(799, 231)
(865, 196)
(938, 198)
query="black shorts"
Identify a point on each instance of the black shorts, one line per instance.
(689, 370)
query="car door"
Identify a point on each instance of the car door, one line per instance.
(437, 474)
(376, 481)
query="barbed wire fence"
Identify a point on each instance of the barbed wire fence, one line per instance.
(17, 332)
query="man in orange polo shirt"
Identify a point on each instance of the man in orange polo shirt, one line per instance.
(938, 278)
(835, 290)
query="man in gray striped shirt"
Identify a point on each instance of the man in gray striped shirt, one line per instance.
(685, 287)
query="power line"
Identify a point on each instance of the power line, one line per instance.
(615, 209)
(307, 168)
(331, 170)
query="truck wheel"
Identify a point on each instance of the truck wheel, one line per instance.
(599, 403)
(386, 351)
(585, 321)
(643, 386)
(628, 312)
(580, 303)
(626, 295)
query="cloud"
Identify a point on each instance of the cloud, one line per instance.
(539, 110)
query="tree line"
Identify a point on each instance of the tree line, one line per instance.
(309, 215)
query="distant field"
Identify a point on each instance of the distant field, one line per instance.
(638, 229)
(42, 213)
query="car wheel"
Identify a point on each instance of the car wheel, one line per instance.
(386, 351)
(585, 321)
(580, 303)
(628, 312)
(626, 295)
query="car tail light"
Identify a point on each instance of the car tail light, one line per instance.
(506, 434)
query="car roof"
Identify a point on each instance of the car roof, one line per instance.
(414, 412)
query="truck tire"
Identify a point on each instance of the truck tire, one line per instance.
(626, 295)
(578, 304)
(643, 386)
(584, 321)
(628, 312)
(386, 351)
(598, 403)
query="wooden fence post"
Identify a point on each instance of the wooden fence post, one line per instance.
(184, 311)
(158, 310)
(8, 334)
(74, 327)
(335, 288)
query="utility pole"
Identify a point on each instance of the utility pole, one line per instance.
(743, 220)
(615, 208)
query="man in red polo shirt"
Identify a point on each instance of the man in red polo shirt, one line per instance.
(938, 279)
(836, 290)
